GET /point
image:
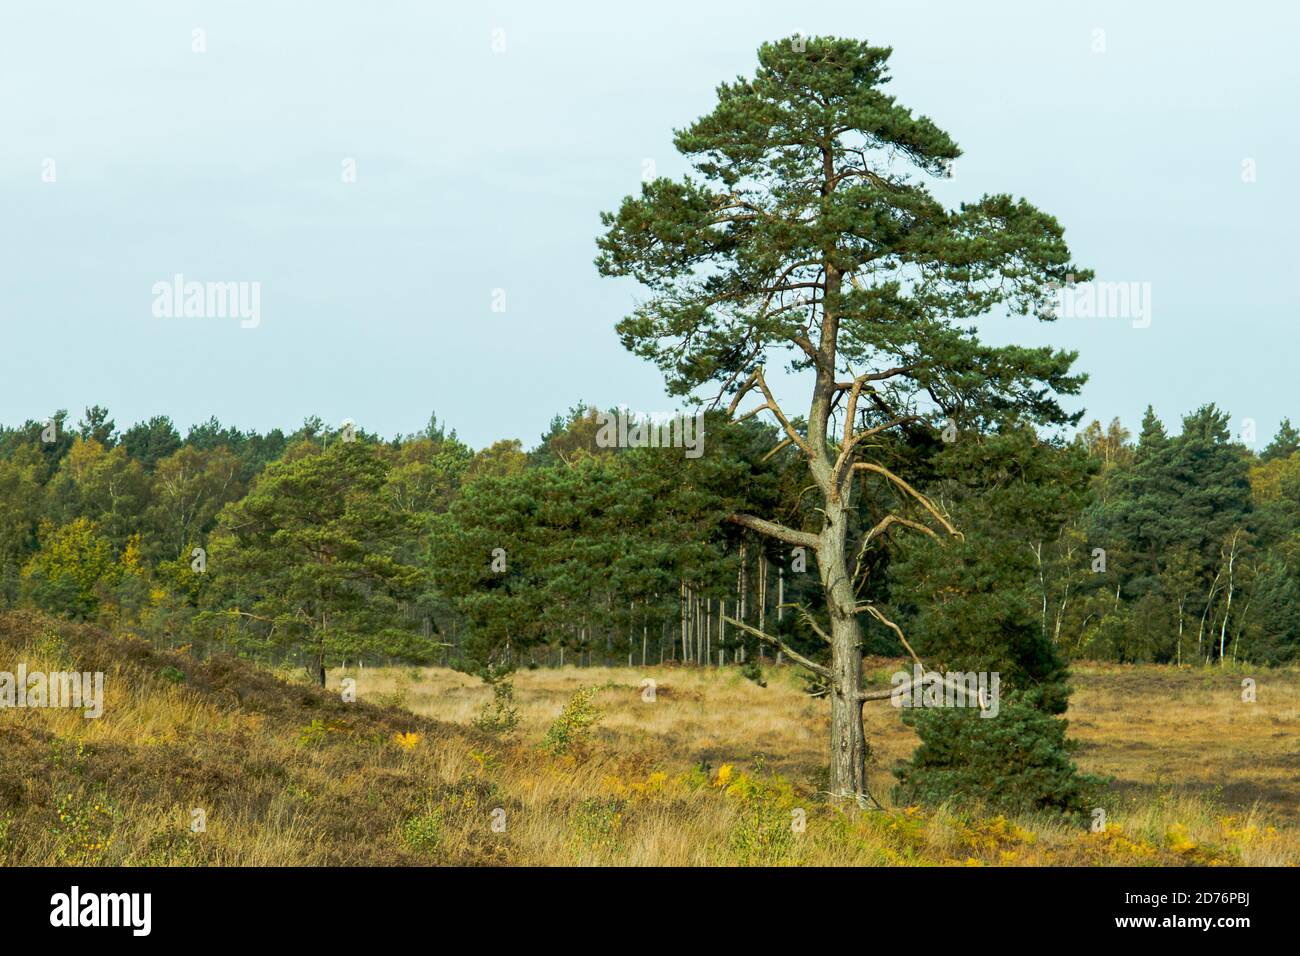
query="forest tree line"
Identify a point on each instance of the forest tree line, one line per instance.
(332, 545)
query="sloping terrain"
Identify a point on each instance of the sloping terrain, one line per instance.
(715, 771)
(281, 773)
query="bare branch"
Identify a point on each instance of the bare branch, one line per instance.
(884, 694)
(874, 612)
(782, 646)
(774, 530)
(851, 440)
(812, 622)
(925, 502)
(876, 376)
(784, 444)
(771, 405)
(887, 520)
(743, 391)
(936, 676)
(881, 527)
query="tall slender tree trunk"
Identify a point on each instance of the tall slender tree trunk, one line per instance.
(1223, 631)
(1180, 632)
(742, 587)
(685, 613)
(780, 602)
(700, 625)
(320, 652)
(848, 741)
(707, 656)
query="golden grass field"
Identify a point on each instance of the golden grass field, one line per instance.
(1150, 727)
(714, 771)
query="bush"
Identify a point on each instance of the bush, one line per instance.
(571, 729)
(499, 717)
(597, 826)
(453, 824)
(83, 827)
(762, 834)
(1014, 762)
(423, 833)
(172, 847)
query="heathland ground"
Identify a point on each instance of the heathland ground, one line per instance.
(423, 769)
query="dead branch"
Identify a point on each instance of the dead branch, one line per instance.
(904, 688)
(784, 444)
(880, 528)
(875, 612)
(812, 622)
(756, 380)
(741, 393)
(852, 440)
(925, 502)
(773, 530)
(781, 646)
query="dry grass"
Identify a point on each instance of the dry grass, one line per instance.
(1198, 775)
(1160, 728)
(1150, 727)
(713, 771)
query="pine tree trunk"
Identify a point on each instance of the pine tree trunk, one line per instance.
(320, 654)
(722, 632)
(848, 741)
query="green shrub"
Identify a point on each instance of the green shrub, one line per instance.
(172, 847)
(572, 728)
(499, 717)
(762, 833)
(83, 828)
(1017, 761)
(422, 833)
(597, 826)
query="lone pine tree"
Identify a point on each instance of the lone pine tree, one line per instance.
(808, 231)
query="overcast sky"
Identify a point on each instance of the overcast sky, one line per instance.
(479, 169)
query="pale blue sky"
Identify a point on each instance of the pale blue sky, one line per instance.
(479, 170)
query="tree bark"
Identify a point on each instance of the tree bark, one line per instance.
(848, 741)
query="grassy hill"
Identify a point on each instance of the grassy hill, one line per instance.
(714, 770)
